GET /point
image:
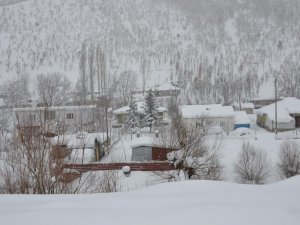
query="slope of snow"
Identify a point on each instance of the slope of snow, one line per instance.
(213, 110)
(231, 31)
(194, 202)
(241, 117)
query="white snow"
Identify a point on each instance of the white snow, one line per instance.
(292, 105)
(243, 131)
(266, 91)
(126, 169)
(80, 140)
(142, 141)
(85, 155)
(193, 203)
(247, 105)
(241, 117)
(213, 110)
(231, 30)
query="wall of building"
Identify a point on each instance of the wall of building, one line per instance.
(56, 118)
(141, 153)
(226, 123)
(281, 126)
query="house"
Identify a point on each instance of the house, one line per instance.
(162, 94)
(247, 107)
(261, 102)
(241, 119)
(149, 152)
(209, 115)
(288, 115)
(82, 147)
(59, 119)
(122, 113)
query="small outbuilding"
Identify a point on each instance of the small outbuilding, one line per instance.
(149, 152)
(82, 147)
(241, 120)
(288, 115)
(247, 107)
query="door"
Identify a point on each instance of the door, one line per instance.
(297, 121)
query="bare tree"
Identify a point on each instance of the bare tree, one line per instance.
(17, 90)
(289, 159)
(144, 66)
(197, 156)
(252, 165)
(109, 182)
(82, 83)
(98, 182)
(27, 166)
(52, 88)
(91, 64)
(289, 79)
(33, 165)
(126, 84)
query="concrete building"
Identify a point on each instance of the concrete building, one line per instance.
(209, 115)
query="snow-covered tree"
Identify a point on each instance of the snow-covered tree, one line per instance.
(133, 119)
(289, 159)
(252, 165)
(194, 156)
(151, 111)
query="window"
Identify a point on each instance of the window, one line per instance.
(198, 124)
(222, 124)
(70, 116)
(31, 117)
(49, 115)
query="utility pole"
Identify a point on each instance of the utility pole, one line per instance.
(275, 84)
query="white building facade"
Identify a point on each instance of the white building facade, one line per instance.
(209, 115)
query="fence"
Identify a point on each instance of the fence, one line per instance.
(295, 134)
(151, 166)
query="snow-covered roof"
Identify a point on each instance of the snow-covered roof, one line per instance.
(140, 108)
(241, 117)
(213, 110)
(247, 105)
(30, 109)
(285, 107)
(165, 87)
(142, 141)
(80, 140)
(292, 105)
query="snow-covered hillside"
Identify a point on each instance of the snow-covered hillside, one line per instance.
(218, 51)
(39, 36)
(193, 202)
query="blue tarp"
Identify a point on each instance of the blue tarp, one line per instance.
(236, 126)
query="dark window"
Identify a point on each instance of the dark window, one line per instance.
(70, 116)
(49, 115)
(31, 117)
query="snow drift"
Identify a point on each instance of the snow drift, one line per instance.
(193, 202)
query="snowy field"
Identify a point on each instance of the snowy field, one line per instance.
(192, 202)
(230, 148)
(188, 202)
